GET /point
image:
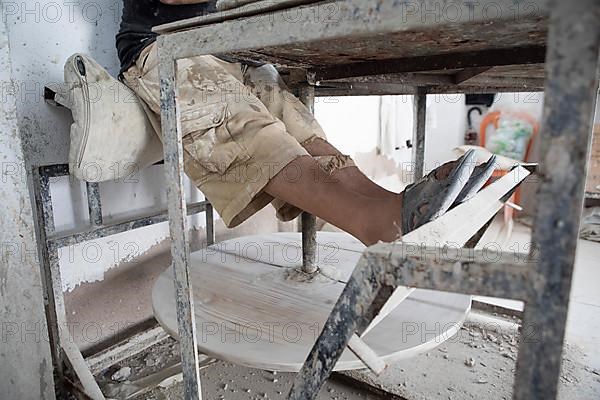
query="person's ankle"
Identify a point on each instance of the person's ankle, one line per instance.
(381, 228)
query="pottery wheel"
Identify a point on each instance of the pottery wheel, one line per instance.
(254, 307)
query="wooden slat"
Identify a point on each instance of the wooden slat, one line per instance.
(238, 295)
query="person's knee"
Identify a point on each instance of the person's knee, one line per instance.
(253, 120)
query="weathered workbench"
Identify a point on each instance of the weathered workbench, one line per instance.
(353, 47)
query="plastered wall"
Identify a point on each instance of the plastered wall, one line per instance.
(25, 363)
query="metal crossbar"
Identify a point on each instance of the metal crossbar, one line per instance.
(383, 268)
(570, 50)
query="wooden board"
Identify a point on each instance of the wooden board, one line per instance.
(285, 249)
(458, 225)
(255, 308)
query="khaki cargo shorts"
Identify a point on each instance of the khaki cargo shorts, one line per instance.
(240, 127)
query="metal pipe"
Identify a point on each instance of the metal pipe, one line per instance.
(210, 225)
(54, 307)
(62, 240)
(348, 316)
(309, 243)
(419, 121)
(308, 222)
(94, 203)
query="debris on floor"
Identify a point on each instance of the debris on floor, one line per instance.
(477, 363)
(136, 375)
(226, 381)
(155, 374)
(121, 374)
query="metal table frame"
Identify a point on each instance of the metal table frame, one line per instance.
(543, 280)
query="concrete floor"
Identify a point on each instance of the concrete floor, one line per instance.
(583, 323)
(479, 362)
(155, 374)
(123, 300)
(225, 381)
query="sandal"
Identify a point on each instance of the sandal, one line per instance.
(478, 178)
(430, 197)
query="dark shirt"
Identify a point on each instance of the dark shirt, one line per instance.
(139, 16)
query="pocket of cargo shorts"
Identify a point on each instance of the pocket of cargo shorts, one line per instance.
(206, 138)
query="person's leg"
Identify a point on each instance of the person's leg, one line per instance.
(240, 155)
(266, 84)
(304, 184)
(350, 176)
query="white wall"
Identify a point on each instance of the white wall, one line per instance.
(353, 124)
(445, 128)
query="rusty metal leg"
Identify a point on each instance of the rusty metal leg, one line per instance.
(571, 87)
(180, 251)
(356, 307)
(210, 225)
(309, 243)
(94, 203)
(419, 120)
(308, 221)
